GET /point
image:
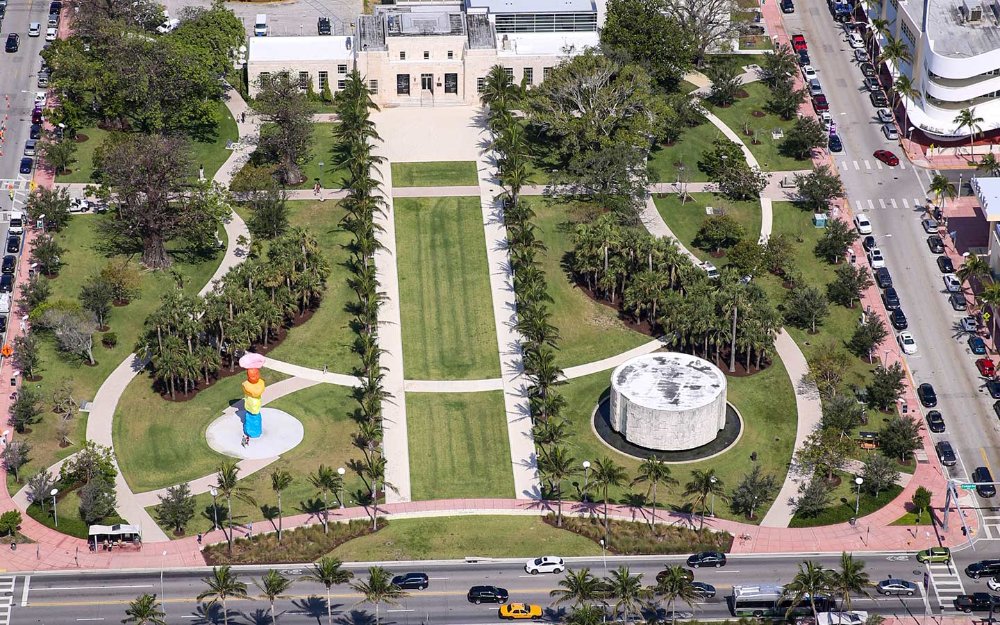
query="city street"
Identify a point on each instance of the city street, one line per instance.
(70, 597)
(893, 199)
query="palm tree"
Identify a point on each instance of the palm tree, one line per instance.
(326, 480)
(227, 482)
(272, 587)
(587, 615)
(608, 473)
(580, 587)
(895, 51)
(851, 578)
(222, 585)
(144, 610)
(904, 89)
(811, 580)
(673, 584)
(703, 484)
(654, 472)
(989, 165)
(990, 297)
(973, 267)
(328, 571)
(557, 467)
(880, 28)
(626, 590)
(280, 480)
(941, 188)
(379, 589)
(967, 118)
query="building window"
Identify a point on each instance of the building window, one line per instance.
(303, 80)
(402, 84)
(373, 86)
(402, 55)
(451, 83)
(342, 68)
(509, 71)
(529, 75)
(427, 55)
(546, 72)
(546, 22)
(324, 80)
(908, 33)
(895, 4)
(451, 54)
(341, 85)
(480, 85)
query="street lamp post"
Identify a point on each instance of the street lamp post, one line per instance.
(340, 495)
(162, 601)
(713, 480)
(604, 555)
(55, 515)
(959, 185)
(857, 505)
(586, 478)
(215, 508)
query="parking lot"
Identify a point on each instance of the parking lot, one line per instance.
(294, 17)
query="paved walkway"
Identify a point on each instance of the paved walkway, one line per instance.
(395, 440)
(524, 461)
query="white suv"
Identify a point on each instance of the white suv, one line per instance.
(862, 224)
(545, 564)
(34, 29)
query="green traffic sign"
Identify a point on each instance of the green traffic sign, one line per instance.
(968, 487)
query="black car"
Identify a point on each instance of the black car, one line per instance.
(6, 283)
(878, 99)
(488, 594)
(323, 26)
(898, 319)
(13, 42)
(804, 58)
(935, 243)
(977, 601)
(55, 7)
(868, 70)
(993, 388)
(927, 395)
(662, 575)
(787, 6)
(9, 264)
(946, 454)
(3, 323)
(945, 265)
(707, 558)
(13, 244)
(890, 298)
(835, 144)
(411, 581)
(957, 301)
(35, 132)
(703, 590)
(983, 479)
(996, 408)
(983, 568)
(868, 243)
(27, 164)
(935, 422)
(883, 278)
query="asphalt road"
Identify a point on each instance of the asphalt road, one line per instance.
(20, 74)
(893, 199)
(95, 597)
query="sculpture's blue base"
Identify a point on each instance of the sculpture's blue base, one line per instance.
(252, 425)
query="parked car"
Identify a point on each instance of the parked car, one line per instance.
(411, 581)
(878, 99)
(13, 42)
(799, 42)
(862, 223)
(945, 265)
(883, 278)
(890, 132)
(9, 264)
(946, 454)
(6, 283)
(51, 33)
(977, 345)
(3, 323)
(930, 226)
(934, 554)
(835, 144)
(957, 301)
(907, 343)
(707, 558)
(983, 568)
(855, 40)
(984, 482)
(936, 244)
(993, 583)
(35, 132)
(894, 586)
(890, 298)
(545, 564)
(951, 283)
(13, 244)
(884, 116)
(886, 157)
(815, 88)
(868, 69)
(898, 319)
(968, 324)
(926, 395)
(520, 611)
(875, 258)
(977, 602)
(36, 116)
(809, 73)
(996, 408)
(987, 368)
(27, 164)
(787, 6)
(868, 242)
(488, 594)
(861, 55)
(323, 26)
(935, 422)
(804, 57)
(872, 84)
(993, 388)
(820, 103)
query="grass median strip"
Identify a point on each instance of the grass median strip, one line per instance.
(435, 174)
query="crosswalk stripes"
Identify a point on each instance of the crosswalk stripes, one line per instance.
(946, 582)
(6, 597)
(871, 205)
(868, 165)
(893, 202)
(845, 165)
(887, 203)
(881, 203)
(991, 528)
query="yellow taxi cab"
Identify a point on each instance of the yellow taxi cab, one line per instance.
(520, 611)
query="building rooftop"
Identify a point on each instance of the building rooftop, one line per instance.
(533, 6)
(278, 49)
(988, 192)
(556, 44)
(669, 381)
(399, 23)
(948, 31)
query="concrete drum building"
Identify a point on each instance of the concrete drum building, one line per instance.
(668, 401)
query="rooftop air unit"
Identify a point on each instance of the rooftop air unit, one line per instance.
(972, 11)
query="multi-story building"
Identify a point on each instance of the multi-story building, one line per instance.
(424, 52)
(955, 60)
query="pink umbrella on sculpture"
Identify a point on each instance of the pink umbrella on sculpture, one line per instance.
(251, 360)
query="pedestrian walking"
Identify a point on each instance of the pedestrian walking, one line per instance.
(250, 529)
(199, 539)
(243, 116)
(325, 369)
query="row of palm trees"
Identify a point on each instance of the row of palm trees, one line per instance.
(355, 136)
(189, 338)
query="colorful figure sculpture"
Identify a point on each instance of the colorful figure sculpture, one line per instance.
(253, 391)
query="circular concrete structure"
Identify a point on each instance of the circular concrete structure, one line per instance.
(281, 433)
(668, 401)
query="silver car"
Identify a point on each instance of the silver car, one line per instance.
(884, 116)
(894, 586)
(889, 130)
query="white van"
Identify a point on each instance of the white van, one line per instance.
(16, 222)
(260, 25)
(4, 303)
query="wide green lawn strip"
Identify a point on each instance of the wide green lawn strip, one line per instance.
(210, 152)
(326, 338)
(842, 502)
(740, 116)
(324, 411)
(319, 162)
(458, 445)
(68, 512)
(458, 537)
(588, 330)
(686, 219)
(435, 174)
(767, 402)
(679, 161)
(444, 288)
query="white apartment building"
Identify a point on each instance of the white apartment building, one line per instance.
(955, 47)
(428, 52)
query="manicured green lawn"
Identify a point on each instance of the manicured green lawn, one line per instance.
(756, 42)
(68, 512)
(326, 338)
(588, 330)
(322, 152)
(435, 174)
(324, 411)
(457, 537)
(666, 161)
(843, 500)
(444, 288)
(458, 445)
(211, 153)
(686, 219)
(84, 256)
(740, 114)
(766, 400)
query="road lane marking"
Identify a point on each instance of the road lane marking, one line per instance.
(24, 592)
(871, 205)
(879, 164)
(861, 209)
(99, 618)
(893, 202)
(881, 203)
(387, 611)
(868, 166)
(93, 587)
